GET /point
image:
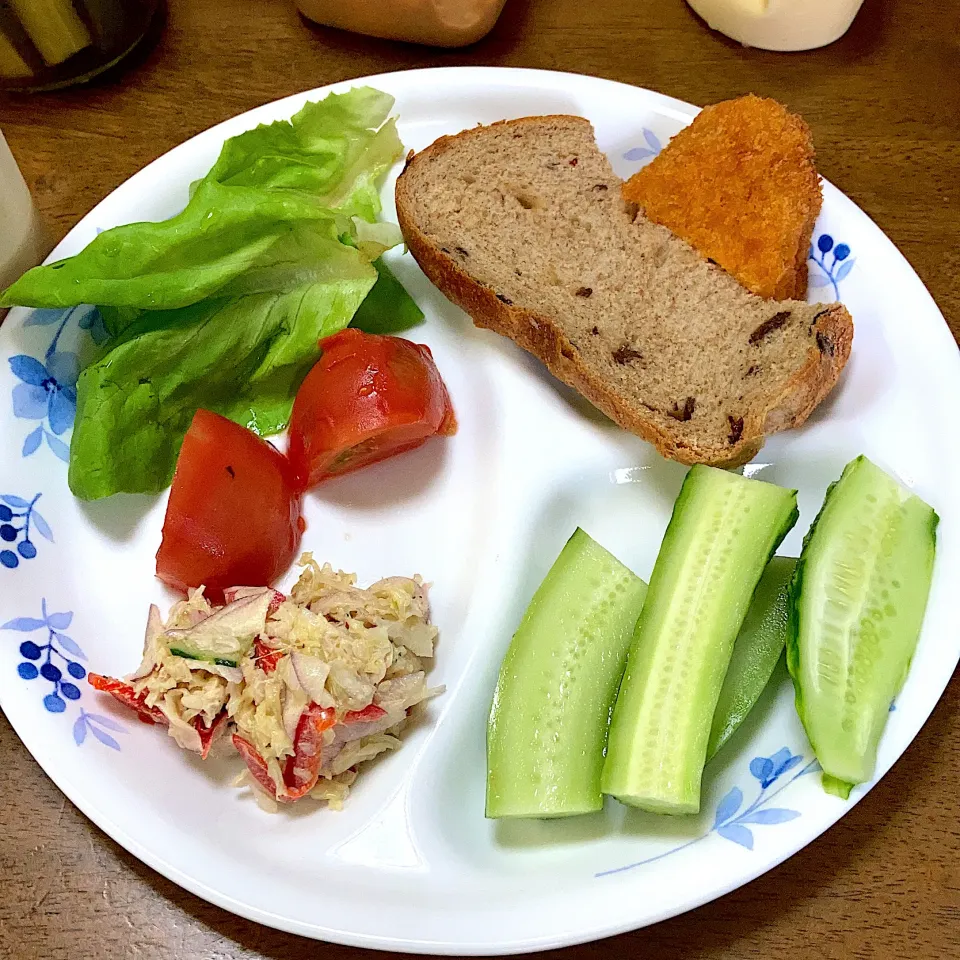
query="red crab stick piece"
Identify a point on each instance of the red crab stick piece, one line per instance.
(208, 735)
(267, 658)
(256, 765)
(125, 694)
(370, 712)
(302, 770)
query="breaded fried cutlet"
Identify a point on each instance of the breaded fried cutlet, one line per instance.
(740, 186)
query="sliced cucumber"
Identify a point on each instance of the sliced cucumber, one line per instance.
(723, 530)
(551, 709)
(227, 634)
(206, 658)
(758, 647)
(856, 607)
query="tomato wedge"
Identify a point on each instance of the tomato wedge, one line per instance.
(234, 511)
(369, 397)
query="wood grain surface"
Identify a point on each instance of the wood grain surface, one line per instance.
(884, 107)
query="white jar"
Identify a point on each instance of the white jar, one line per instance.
(23, 239)
(785, 25)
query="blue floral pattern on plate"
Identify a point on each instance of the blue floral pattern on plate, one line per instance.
(734, 826)
(96, 724)
(836, 269)
(651, 148)
(17, 516)
(58, 663)
(47, 391)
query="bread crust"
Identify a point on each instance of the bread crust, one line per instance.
(541, 336)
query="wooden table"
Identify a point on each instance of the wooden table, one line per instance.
(884, 107)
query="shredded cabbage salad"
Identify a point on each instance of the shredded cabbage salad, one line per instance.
(309, 685)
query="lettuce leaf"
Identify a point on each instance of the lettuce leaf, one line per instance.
(328, 153)
(241, 357)
(243, 227)
(221, 306)
(226, 242)
(388, 307)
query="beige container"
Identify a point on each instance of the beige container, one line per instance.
(23, 240)
(438, 23)
(783, 25)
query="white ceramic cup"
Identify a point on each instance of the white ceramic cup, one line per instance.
(23, 239)
(785, 25)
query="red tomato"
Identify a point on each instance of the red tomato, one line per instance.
(367, 398)
(234, 512)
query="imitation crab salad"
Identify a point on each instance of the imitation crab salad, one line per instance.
(310, 685)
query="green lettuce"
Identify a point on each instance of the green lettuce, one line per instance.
(388, 307)
(328, 152)
(221, 306)
(242, 358)
(243, 228)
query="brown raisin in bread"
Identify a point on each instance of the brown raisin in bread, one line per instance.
(740, 186)
(523, 225)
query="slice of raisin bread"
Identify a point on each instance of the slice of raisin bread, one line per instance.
(523, 225)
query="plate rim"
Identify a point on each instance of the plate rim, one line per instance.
(683, 111)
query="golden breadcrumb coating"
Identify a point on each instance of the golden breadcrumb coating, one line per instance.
(739, 184)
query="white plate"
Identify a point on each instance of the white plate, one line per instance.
(412, 864)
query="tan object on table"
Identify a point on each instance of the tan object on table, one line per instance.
(439, 23)
(23, 239)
